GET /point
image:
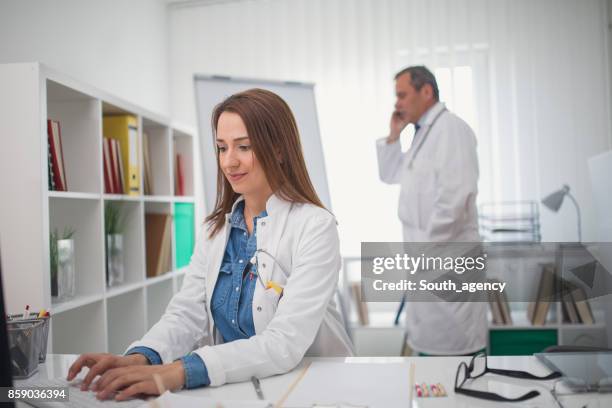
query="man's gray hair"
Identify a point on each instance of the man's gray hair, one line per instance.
(419, 76)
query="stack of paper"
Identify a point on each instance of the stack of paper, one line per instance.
(170, 400)
(353, 384)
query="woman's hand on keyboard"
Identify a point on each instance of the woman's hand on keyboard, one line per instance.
(128, 382)
(99, 363)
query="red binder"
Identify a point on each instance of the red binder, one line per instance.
(54, 139)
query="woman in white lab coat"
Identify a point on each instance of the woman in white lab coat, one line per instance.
(257, 294)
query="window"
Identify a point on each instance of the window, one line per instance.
(457, 91)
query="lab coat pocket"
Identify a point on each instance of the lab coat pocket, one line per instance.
(426, 202)
(425, 197)
(408, 210)
(270, 299)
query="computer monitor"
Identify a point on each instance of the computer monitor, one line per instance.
(6, 378)
(600, 168)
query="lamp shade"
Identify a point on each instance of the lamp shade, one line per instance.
(554, 200)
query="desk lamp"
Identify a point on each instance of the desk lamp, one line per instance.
(554, 201)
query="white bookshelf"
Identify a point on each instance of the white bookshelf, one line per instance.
(98, 318)
(526, 258)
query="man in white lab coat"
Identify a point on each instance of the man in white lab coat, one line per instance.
(438, 178)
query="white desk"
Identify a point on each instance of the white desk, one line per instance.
(428, 369)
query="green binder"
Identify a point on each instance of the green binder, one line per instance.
(518, 342)
(184, 232)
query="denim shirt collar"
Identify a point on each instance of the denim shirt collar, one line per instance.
(274, 204)
(237, 220)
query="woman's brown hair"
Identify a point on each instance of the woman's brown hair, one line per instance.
(275, 140)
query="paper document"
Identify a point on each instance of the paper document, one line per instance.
(353, 384)
(171, 400)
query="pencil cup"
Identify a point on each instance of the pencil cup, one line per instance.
(24, 340)
(41, 333)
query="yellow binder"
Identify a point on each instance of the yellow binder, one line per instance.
(124, 128)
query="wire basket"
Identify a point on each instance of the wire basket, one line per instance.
(510, 221)
(24, 338)
(40, 336)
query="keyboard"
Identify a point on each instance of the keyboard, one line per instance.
(76, 397)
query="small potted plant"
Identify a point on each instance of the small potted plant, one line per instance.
(113, 225)
(62, 256)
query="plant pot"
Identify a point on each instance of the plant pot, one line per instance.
(114, 260)
(64, 286)
(54, 282)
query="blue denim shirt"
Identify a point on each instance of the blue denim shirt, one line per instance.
(232, 299)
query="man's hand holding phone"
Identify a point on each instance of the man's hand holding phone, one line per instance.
(398, 123)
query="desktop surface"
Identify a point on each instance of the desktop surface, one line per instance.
(428, 369)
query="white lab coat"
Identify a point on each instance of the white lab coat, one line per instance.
(438, 188)
(304, 240)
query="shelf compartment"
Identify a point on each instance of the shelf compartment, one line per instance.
(79, 330)
(122, 170)
(158, 239)
(80, 124)
(126, 320)
(112, 109)
(157, 138)
(85, 218)
(183, 147)
(158, 297)
(133, 239)
(184, 233)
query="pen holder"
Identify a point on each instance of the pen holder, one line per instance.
(42, 332)
(24, 344)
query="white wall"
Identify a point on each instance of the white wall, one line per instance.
(608, 29)
(118, 46)
(543, 106)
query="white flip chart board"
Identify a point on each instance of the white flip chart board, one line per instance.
(211, 90)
